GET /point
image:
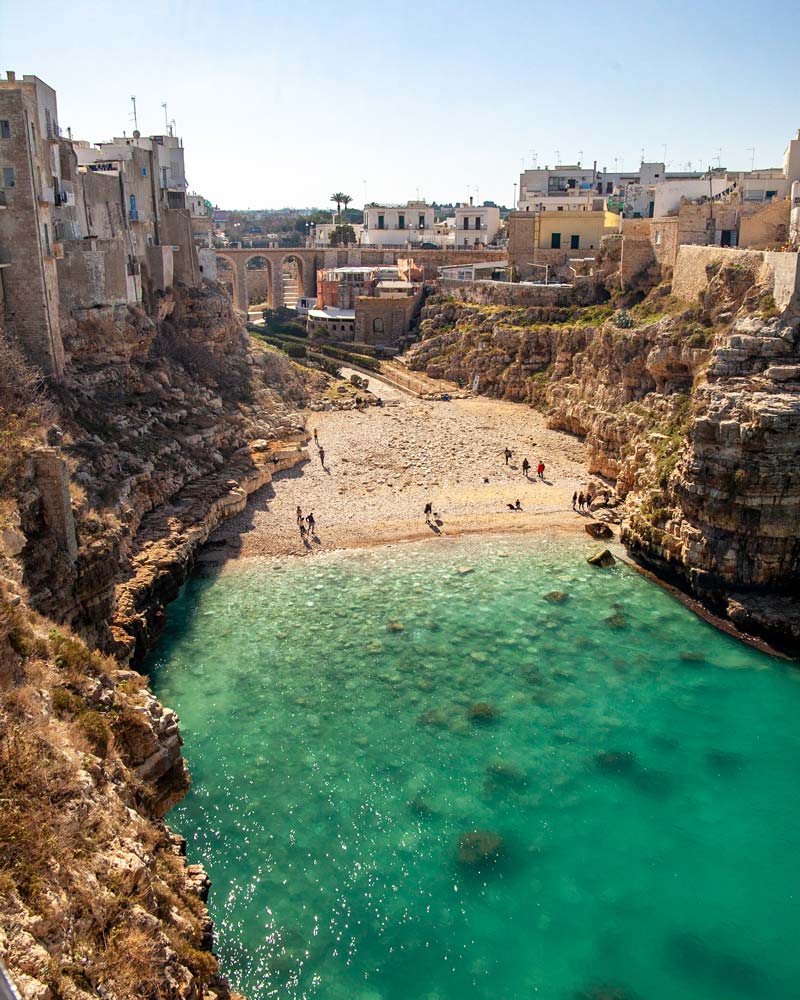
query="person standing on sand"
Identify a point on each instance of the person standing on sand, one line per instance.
(322, 457)
(311, 522)
(540, 470)
(299, 513)
(589, 502)
(574, 499)
(428, 512)
(581, 501)
(525, 466)
(507, 453)
(316, 439)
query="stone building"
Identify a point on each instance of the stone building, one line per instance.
(83, 227)
(30, 207)
(371, 305)
(476, 225)
(398, 225)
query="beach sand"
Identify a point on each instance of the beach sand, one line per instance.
(383, 464)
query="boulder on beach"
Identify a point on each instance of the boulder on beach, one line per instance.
(556, 597)
(603, 559)
(481, 711)
(598, 530)
(479, 847)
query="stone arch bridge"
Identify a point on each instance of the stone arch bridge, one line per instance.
(292, 272)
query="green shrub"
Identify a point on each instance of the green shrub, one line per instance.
(66, 702)
(96, 730)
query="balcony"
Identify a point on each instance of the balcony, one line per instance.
(54, 133)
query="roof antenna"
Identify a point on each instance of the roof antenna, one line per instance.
(166, 120)
(135, 119)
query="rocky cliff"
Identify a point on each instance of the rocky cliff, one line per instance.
(169, 416)
(690, 413)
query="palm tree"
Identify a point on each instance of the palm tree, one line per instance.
(346, 199)
(338, 199)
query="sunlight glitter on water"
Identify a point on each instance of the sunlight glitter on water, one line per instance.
(349, 719)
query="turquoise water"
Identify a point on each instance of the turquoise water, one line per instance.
(639, 768)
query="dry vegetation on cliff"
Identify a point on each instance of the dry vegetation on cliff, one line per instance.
(95, 896)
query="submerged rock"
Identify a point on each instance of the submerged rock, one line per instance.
(481, 711)
(604, 993)
(433, 717)
(616, 761)
(479, 847)
(603, 559)
(504, 774)
(617, 620)
(598, 530)
(556, 597)
(465, 570)
(395, 627)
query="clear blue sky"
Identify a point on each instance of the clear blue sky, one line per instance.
(282, 103)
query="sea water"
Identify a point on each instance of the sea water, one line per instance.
(634, 779)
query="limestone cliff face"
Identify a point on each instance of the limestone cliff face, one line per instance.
(162, 417)
(692, 414)
(168, 418)
(96, 898)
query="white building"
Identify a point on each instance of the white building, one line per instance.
(476, 225)
(398, 225)
(324, 230)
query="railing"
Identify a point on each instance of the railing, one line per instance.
(53, 131)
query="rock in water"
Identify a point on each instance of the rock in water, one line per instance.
(603, 559)
(464, 570)
(598, 530)
(479, 847)
(616, 761)
(556, 597)
(395, 627)
(617, 620)
(481, 711)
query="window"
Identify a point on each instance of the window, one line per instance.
(46, 240)
(477, 222)
(134, 213)
(658, 237)
(9, 179)
(144, 171)
(5, 129)
(574, 242)
(466, 222)
(401, 222)
(609, 187)
(380, 222)
(377, 325)
(555, 241)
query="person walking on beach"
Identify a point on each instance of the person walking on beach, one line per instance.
(322, 457)
(574, 499)
(299, 513)
(311, 522)
(428, 512)
(316, 439)
(540, 470)
(525, 466)
(589, 501)
(581, 501)
(507, 453)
